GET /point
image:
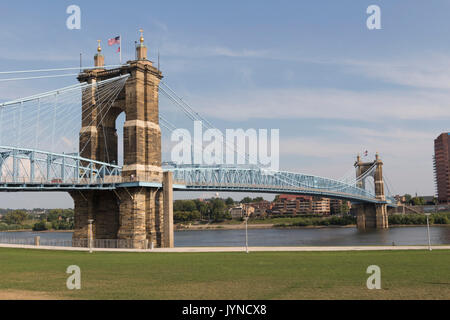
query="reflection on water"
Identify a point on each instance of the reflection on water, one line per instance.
(286, 237)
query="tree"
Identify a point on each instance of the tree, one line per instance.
(229, 201)
(202, 207)
(344, 207)
(407, 198)
(184, 205)
(16, 217)
(418, 201)
(218, 210)
(40, 226)
(246, 200)
(258, 199)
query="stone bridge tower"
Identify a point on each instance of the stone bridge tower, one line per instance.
(138, 211)
(371, 215)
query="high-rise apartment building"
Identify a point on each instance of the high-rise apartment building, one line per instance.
(441, 167)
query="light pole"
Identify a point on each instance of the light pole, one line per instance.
(90, 221)
(428, 231)
(246, 233)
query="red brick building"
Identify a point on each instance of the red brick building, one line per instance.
(298, 204)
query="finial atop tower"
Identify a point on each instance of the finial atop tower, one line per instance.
(141, 49)
(141, 40)
(99, 59)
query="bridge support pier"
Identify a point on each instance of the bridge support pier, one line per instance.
(371, 216)
(141, 217)
(168, 209)
(138, 217)
(137, 214)
(146, 216)
(100, 206)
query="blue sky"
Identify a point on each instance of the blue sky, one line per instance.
(309, 68)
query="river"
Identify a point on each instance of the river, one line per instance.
(284, 237)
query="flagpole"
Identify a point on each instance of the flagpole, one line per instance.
(120, 49)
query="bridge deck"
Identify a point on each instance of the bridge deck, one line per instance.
(35, 170)
(62, 187)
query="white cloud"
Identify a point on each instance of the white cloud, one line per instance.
(325, 104)
(391, 133)
(406, 155)
(431, 71)
(197, 51)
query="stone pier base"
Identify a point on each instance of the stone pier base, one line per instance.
(136, 217)
(371, 216)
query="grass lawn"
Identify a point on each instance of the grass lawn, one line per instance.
(264, 275)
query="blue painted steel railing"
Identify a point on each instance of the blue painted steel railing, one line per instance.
(29, 169)
(222, 178)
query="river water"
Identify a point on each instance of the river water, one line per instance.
(284, 237)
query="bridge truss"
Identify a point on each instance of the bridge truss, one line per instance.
(35, 170)
(233, 179)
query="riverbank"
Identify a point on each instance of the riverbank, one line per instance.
(250, 226)
(44, 231)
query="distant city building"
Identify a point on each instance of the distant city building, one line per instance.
(298, 204)
(441, 167)
(321, 206)
(241, 211)
(236, 212)
(337, 206)
(400, 199)
(260, 208)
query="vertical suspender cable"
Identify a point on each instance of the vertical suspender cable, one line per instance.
(37, 123)
(54, 123)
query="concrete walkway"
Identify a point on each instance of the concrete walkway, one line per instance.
(232, 249)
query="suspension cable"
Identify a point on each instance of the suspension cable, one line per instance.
(195, 116)
(59, 69)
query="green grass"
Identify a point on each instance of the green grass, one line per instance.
(263, 275)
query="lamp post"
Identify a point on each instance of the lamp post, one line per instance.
(246, 233)
(90, 221)
(428, 231)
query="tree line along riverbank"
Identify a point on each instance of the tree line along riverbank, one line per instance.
(42, 220)
(311, 221)
(62, 220)
(406, 219)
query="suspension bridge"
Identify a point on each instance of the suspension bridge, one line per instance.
(66, 140)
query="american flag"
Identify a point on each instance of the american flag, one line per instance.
(113, 41)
